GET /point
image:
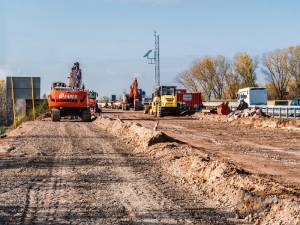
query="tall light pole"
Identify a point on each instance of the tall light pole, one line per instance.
(155, 59)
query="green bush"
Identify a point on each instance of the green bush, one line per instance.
(39, 110)
(20, 119)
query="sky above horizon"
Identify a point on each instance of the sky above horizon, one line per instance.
(109, 37)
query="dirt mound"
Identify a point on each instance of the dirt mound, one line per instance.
(269, 123)
(253, 198)
(255, 121)
(210, 117)
(134, 132)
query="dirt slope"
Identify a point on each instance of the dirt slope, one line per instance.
(76, 173)
(264, 151)
(254, 198)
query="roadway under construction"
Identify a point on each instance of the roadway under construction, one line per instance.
(128, 168)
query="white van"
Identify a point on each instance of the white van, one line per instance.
(253, 96)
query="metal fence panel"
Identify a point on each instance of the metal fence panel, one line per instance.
(22, 87)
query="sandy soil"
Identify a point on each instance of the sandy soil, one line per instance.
(271, 152)
(76, 173)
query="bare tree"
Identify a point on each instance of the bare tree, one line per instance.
(294, 68)
(211, 75)
(203, 70)
(233, 84)
(277, 71)
(188, 80)
(221, 71)
(104, 99)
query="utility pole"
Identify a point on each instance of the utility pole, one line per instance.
(155, 59)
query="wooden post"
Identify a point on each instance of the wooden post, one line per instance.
(13, 100)
(33, 99)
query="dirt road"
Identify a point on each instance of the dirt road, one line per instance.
(76, 173)
(265, 151)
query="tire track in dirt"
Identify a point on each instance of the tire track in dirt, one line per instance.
(153, 198)
(76, 173)
(46, 187)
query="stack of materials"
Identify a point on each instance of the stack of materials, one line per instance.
(254, 112)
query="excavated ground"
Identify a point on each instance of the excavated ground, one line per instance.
(78, 173)
(271, 152)
(222, 168)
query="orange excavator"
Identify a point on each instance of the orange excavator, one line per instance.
(69, 99)
(135, 96)
(133, 93)
(133, 100)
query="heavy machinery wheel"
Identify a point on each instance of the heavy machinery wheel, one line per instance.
(86, 116)
(159, 113)
(146, 109)
(55, 115)
(135, 105)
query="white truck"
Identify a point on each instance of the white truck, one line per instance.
(253, 96)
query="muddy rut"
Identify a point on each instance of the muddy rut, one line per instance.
(76, 173)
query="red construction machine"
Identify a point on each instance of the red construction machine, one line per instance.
(69, 99)
(93, 102)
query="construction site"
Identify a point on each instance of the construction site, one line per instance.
(215, 147)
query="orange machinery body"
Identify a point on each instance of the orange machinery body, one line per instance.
(223, 109)
(134, 93)
(68, 98)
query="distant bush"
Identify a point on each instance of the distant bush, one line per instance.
(39, 110)
(2, 130)
(20, 119)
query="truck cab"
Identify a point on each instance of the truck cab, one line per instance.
(93, 102)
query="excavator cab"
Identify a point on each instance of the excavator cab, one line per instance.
(93, 102)
(93, 94)
(57, 85)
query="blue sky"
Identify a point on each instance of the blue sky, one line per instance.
(109, 37)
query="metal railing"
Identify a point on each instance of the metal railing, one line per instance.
(282, 112)
(278, 111)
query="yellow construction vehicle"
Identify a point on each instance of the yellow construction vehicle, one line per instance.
(164, 102)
